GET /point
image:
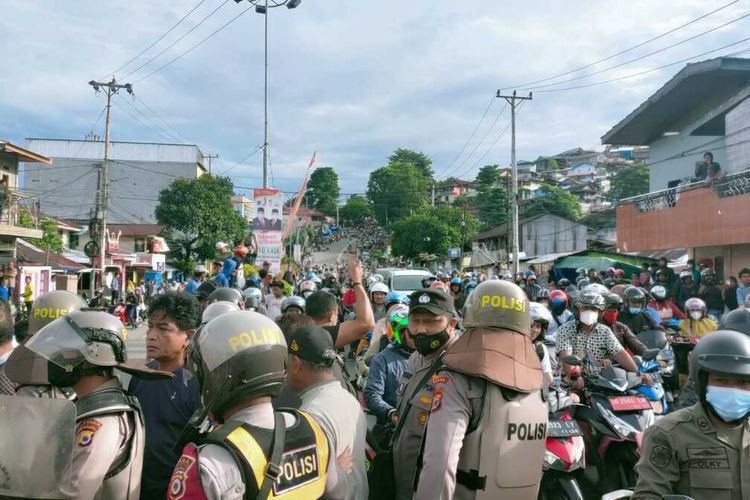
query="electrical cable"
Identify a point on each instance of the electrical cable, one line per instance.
(195, 46)
(160, 128)
(253, 153)
(149, 127)
(177, 133)
(158, 39)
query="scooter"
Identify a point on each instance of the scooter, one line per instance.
(613, 422)
(565, 455)
(659, 364)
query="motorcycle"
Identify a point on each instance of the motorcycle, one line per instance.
(613, 422)
(659, 364)
(565, 456)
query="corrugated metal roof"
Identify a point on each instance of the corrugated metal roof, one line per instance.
(124, 151)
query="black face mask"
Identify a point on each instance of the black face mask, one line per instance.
(427, 344)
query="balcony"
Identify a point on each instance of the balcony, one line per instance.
(10, 222)
(687, 216)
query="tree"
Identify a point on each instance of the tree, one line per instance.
(555, 201)
(396, 191)
(51, 239)
(196, 213)
(356, 210)
(629, 181)
(492, 202)
(416, 158)
(323, 190)
(462, 224)
(433, 230)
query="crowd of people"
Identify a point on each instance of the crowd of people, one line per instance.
(265, 390)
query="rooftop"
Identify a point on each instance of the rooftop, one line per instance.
(22, 154)
(706, 82)
(119, 150)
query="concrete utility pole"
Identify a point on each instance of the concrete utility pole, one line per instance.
(511, 99)
(102, 195)
(432, 197)
(210, 157)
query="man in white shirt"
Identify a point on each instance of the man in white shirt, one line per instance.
(274, 299)
(311, 358)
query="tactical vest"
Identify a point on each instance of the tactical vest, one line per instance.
(123, 480)
(304, 461)
(502, 457)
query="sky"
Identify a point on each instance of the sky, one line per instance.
(351, 80)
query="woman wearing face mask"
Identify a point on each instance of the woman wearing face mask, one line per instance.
(714, 429)
(698, 324)
(540, 320)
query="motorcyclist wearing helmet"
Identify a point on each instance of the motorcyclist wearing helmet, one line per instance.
(633, 314)
(458, 432)
(588, 338)
(378, 293)
(710, 293)
(385, 373)
(609, 317)
(540, 320)
(563, 283)
(703, 451)
(558, 305)
(532, 288)
(457, 289)
(81, 350)
(240, 361)
(373, 343)
(293, 304)
(666, 309)
(687, 289)
(594, 277)
(306, 287)
(543, 297)
(698, 324)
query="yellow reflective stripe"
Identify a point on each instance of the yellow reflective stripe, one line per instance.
(252, 452)
(320, 439)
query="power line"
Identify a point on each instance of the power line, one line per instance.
(160, 38)
(178, 40)
(196, 45)
(164, 132)
(463, 148)
(641, 44)
(641, 57)
(149, 127)
(251, 154)
(594, 84)
(157, 115)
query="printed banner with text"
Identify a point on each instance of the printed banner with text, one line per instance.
(267, 225)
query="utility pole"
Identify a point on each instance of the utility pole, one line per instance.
(102, 195)
(210, 157)
(511, 99)
(433, 194)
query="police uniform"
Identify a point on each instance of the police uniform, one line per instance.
(109, 445)
(685, 453)
(477, 428)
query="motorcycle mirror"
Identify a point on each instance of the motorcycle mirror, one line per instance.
(572, 360)
(650, 354)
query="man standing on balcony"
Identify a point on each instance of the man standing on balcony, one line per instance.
(708, 169)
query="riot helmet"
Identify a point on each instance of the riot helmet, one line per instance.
(50, 306)
(253, 297)
(723, 352)
(205, 289)
(293, 303)
(59, 353)
(217, 309)
(238, 356)
(225, 294)
(737, 320)
(498, 304)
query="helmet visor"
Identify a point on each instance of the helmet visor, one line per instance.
(59, 343)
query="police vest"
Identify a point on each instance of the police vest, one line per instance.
(502, 456)
(122, 481)
(304, 461)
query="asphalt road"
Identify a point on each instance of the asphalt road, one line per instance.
(333, 256)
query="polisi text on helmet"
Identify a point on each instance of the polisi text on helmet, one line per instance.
(50, 312)
(502, 302)
(267, 336)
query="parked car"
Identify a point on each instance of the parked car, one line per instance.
(405, 280)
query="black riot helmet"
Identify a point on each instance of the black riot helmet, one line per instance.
(737, 320)
(723, 352)
(225, 294)
(238, 356)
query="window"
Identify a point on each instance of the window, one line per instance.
(139, 245)
(73, 242)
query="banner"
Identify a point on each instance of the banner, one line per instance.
(300, 195)
(267, 224)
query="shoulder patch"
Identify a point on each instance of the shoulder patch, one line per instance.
(185, 478)
(660, 456)
(86, 430)
(422, 417)
(440, 379)
(437, 400)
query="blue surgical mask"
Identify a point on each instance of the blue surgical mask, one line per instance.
(634, 310)
(729, 403)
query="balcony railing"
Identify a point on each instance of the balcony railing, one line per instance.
(14, 204)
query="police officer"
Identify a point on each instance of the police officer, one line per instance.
(483, 407)
(80, 351)
(703, 451)
(50, 306)
(240, 361)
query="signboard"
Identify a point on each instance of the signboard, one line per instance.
(454, 253)
(267, 226)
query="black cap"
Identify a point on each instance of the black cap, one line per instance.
(433, 300)
(313, 344)
(277, 283)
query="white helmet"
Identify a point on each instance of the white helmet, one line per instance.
(379, 287)
(217, 309)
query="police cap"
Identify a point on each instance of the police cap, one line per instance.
(434, 300)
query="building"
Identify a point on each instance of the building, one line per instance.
(137, 173)
(448, 190)
(244, 206)
(703, 107)
(540, 235)
(15, 203)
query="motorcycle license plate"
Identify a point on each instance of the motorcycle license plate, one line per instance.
(629, 403)
(563, 429)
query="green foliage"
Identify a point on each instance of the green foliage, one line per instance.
(25, 219)
(433, 230)
(416, 158)
(51, 238)
(629, 181)
(396, 192)
(356, 210)
(492, 201)
(555, 201)
(323, 190)
(196, 213)
(552, 164)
